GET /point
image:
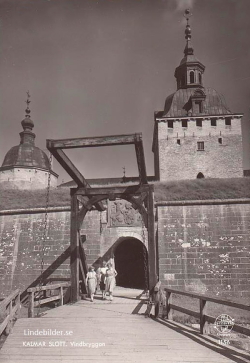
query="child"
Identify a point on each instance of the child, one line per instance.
(91, 282)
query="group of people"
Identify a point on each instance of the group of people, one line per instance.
(104, 279)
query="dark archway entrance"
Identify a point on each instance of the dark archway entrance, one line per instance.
(129, 263)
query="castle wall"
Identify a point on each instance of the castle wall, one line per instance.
(179, 157)
(21, 242)
(205, 248)
(202, 247)
(26, 178)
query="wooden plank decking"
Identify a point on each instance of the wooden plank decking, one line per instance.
(106, 331)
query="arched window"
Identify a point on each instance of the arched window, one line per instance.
(200, 176)
(191, 77)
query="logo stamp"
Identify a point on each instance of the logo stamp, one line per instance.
(224, 324)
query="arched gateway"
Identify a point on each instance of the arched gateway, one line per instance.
(84, 198)
(131, 261)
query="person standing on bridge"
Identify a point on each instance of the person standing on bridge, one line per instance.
(102, 272)
(91, 282)
(110, 280)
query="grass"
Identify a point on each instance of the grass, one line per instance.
(202, 189)
(198, 189)
(22, 199)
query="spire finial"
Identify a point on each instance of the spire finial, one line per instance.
(124, 175)
(28, 101)
(188, 48)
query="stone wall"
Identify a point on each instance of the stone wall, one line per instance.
(26, 178)
(21, 243)
(179, 157)
(205, 247)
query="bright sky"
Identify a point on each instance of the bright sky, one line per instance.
(102, 67)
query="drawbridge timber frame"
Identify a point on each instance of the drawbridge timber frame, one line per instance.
(84, 198)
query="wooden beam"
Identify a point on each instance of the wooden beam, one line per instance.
(140, 159)
(92, 141)
(153, 278)
(75, 174)
(74, 247)
(132, 189)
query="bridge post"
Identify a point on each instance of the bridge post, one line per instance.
(153, 279)
(74, 247)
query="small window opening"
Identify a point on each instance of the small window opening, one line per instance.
(191, 77)
(200, 145)
(228, 121)
(184, 123)
(199, 122)
(200, 176)
(178, 141)
(200, 78)
(198, 106)
(220, 140)
(170, 124)
(213, 121)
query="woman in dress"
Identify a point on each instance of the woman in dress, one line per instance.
(110, 280)
(103, 278)
(91, 282)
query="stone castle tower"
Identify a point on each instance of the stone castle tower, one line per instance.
(196, 135)
(25, 166)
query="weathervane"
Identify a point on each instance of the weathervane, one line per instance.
(188, 49)
(28, 103)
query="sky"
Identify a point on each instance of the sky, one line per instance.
(103, 67)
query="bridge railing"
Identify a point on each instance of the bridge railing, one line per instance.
(9, 309)
(168, 307)
(38, 295)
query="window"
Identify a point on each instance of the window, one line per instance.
(178, 141)
(199, 122)
(184, 123)
(198, 106)
(191, 77)
(213, 121)
(200, 175)
(200, 145)
(200, 78)
(220, 140)
(228, 121)
(170, 124)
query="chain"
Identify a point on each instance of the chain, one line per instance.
(45, 227)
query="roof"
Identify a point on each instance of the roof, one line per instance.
(26, 155)
(178, 104)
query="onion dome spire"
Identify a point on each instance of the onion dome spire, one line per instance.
(27, 136)
(188, 49)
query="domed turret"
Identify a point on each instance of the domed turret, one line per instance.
(25, 165)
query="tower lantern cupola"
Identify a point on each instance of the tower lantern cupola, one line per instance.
(189, 73)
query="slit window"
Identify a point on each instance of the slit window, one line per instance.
(200, 145)
(170, 124)
(220, 140)
(228, 121)
(200, 78)
(199, 122)
(178, 141)
(213, 121)
(184, 123)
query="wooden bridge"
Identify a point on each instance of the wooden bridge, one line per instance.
(105, 331)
